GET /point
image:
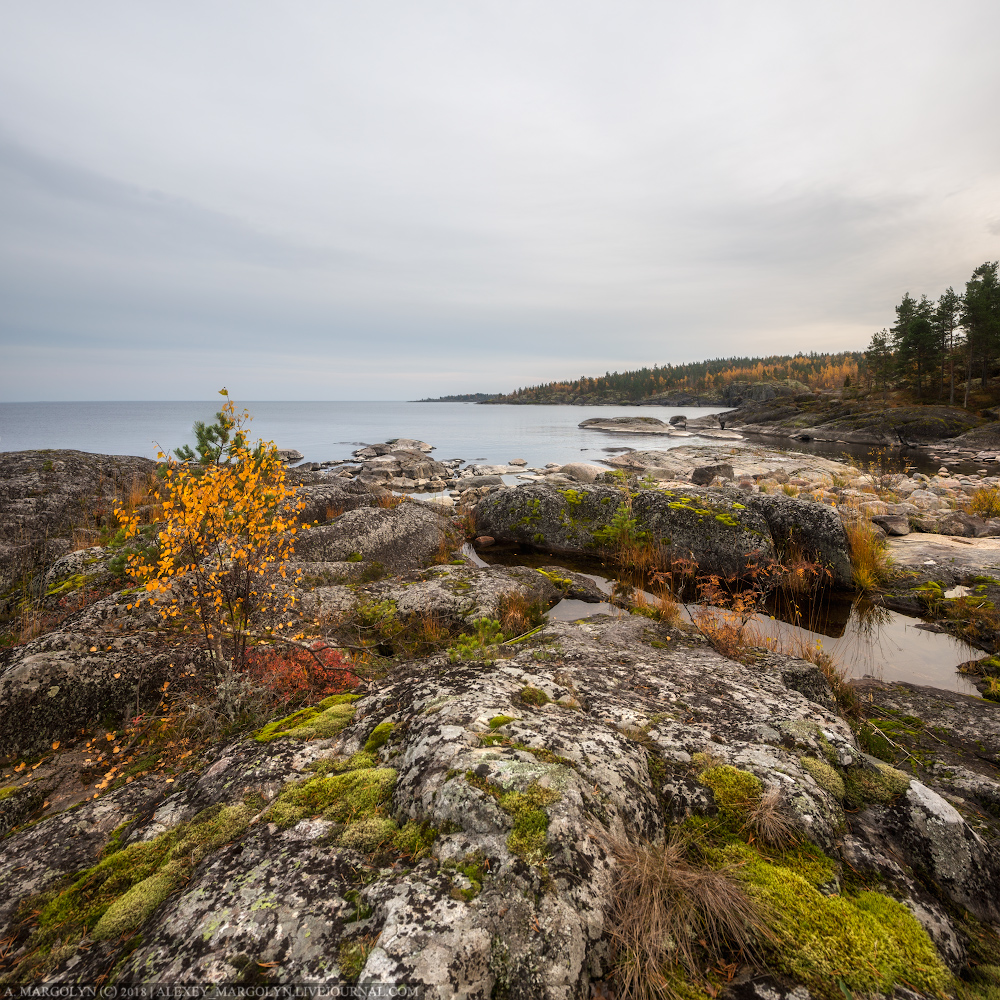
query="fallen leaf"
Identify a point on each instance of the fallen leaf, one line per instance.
(117, 676)
(55, 746)
(93, 649)
(109, 736)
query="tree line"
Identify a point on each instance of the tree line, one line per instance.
(933, 346)
(817, 371)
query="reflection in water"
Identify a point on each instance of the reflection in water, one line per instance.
(880, 643)
(865, 638)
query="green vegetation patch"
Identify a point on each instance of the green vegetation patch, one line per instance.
(67, 586)
(500, 720)
(534, 696)
(825, 776)
(527, 809)
(478, 645)
(326, 719)
(866, 941)
(735, 791)
(356, 794)
(880, 785)
(6, 793)
(379, 737)
(118, 894)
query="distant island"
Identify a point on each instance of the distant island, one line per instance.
(465, 397)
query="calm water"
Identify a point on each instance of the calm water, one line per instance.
(866, 639)
(321, 431)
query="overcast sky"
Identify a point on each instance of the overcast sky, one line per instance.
(384, 200)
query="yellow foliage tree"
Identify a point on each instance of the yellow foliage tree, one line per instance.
(229, 530)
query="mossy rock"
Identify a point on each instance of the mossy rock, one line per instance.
(326, 719)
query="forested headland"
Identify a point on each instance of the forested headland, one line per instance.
(944, 350)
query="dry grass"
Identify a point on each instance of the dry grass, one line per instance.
(869, 555)
(332, 512)
(389, 501)
(670, 916)
(516, 615)
(768, 819)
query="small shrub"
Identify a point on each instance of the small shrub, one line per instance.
(516, 615)
(767, 819)
(478, 645)
(985, 502)
(296, 676)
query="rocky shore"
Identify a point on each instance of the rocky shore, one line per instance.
(490, 790)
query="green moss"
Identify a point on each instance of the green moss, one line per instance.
(825, 776)
(6, 793)
(533, 515)
(880, 785)
(118, 894)
(500, 720)
(136, 906)
(353, 794)
(115, 840)
(369, 834)
(355, 557)
(866, 941)
(734, 790)
(415, 840)
(326, 719)
(379, 737)
(66, 586)
(473, 867)
(531, 822)
(352, 956)
(561, 582)
(534, 696)
(528, 837)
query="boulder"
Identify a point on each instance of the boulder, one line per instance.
(813, 529)
(583, 472)
(704, 474)
(400, 538)
(589, 747)
(332, 498)
(414, 464)
(464, 594)
(75, 677)
(45, 496)
(717, 529)
(678, 420)
(289, 455)
(963, 525)
(893, 524)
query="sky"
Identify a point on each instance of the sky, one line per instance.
(331, 200)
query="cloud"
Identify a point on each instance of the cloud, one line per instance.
(386, 201)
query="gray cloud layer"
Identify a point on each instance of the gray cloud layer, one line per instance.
(384, 200)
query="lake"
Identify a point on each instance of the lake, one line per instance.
(322, 431)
